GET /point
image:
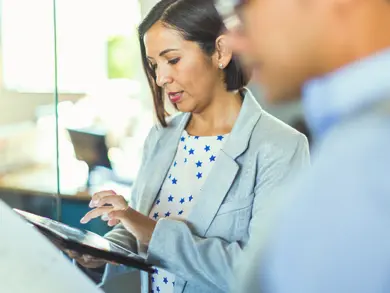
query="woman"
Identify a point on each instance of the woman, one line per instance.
(206, 172)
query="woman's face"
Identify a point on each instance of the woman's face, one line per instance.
(189, 78)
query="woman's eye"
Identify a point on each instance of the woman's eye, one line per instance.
(174, 61)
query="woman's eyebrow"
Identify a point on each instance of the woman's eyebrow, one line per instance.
(162, 53)
(167, 51)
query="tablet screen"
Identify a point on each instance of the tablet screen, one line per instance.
(76, 235)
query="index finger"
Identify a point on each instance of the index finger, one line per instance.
(95, 213)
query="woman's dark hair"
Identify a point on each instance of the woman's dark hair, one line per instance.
(197, 21)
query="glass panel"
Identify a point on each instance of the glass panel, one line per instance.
(28, 168)
(104, 105)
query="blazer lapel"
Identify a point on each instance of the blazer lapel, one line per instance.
(224, 172)
(162, 158)
(214, 190)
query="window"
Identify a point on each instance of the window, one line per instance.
(91, 39)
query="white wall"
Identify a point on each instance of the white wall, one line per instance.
(146, 5)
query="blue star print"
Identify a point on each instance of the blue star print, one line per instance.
(194, 159)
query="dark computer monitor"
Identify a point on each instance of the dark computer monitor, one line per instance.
(90, 146)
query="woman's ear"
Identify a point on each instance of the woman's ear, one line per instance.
(223, 51)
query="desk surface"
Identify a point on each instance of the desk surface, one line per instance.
(42, 181)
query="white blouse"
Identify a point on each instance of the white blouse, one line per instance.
(195, 156)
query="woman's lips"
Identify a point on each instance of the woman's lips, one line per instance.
(175, 97)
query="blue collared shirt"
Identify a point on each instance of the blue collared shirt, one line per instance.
(329, 99)
(333, 234)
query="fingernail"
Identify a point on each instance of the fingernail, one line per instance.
(93, 203)
(83, 221)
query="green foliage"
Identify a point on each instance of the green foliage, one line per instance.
(123, 57)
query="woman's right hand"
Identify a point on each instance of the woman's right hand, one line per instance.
(85, 260)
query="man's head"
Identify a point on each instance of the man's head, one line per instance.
(292, 41)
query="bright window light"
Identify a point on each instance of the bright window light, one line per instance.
(85, 30)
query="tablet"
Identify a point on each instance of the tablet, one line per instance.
(85, 242)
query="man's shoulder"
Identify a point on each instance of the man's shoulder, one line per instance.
(362, 142)
(350, 165)
(335, 214)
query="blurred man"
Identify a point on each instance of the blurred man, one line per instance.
(331, 232)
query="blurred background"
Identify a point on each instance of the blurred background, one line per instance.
(75, 105)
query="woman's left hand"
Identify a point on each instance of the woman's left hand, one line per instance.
(114, 209)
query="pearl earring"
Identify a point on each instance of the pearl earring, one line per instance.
(220, 66)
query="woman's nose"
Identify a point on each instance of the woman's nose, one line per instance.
(163, 78)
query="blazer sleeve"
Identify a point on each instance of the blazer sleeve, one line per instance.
(211, 261)
(119, 234)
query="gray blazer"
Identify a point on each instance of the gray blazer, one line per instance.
(259, 155)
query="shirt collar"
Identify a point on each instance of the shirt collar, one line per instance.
(328, 99)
